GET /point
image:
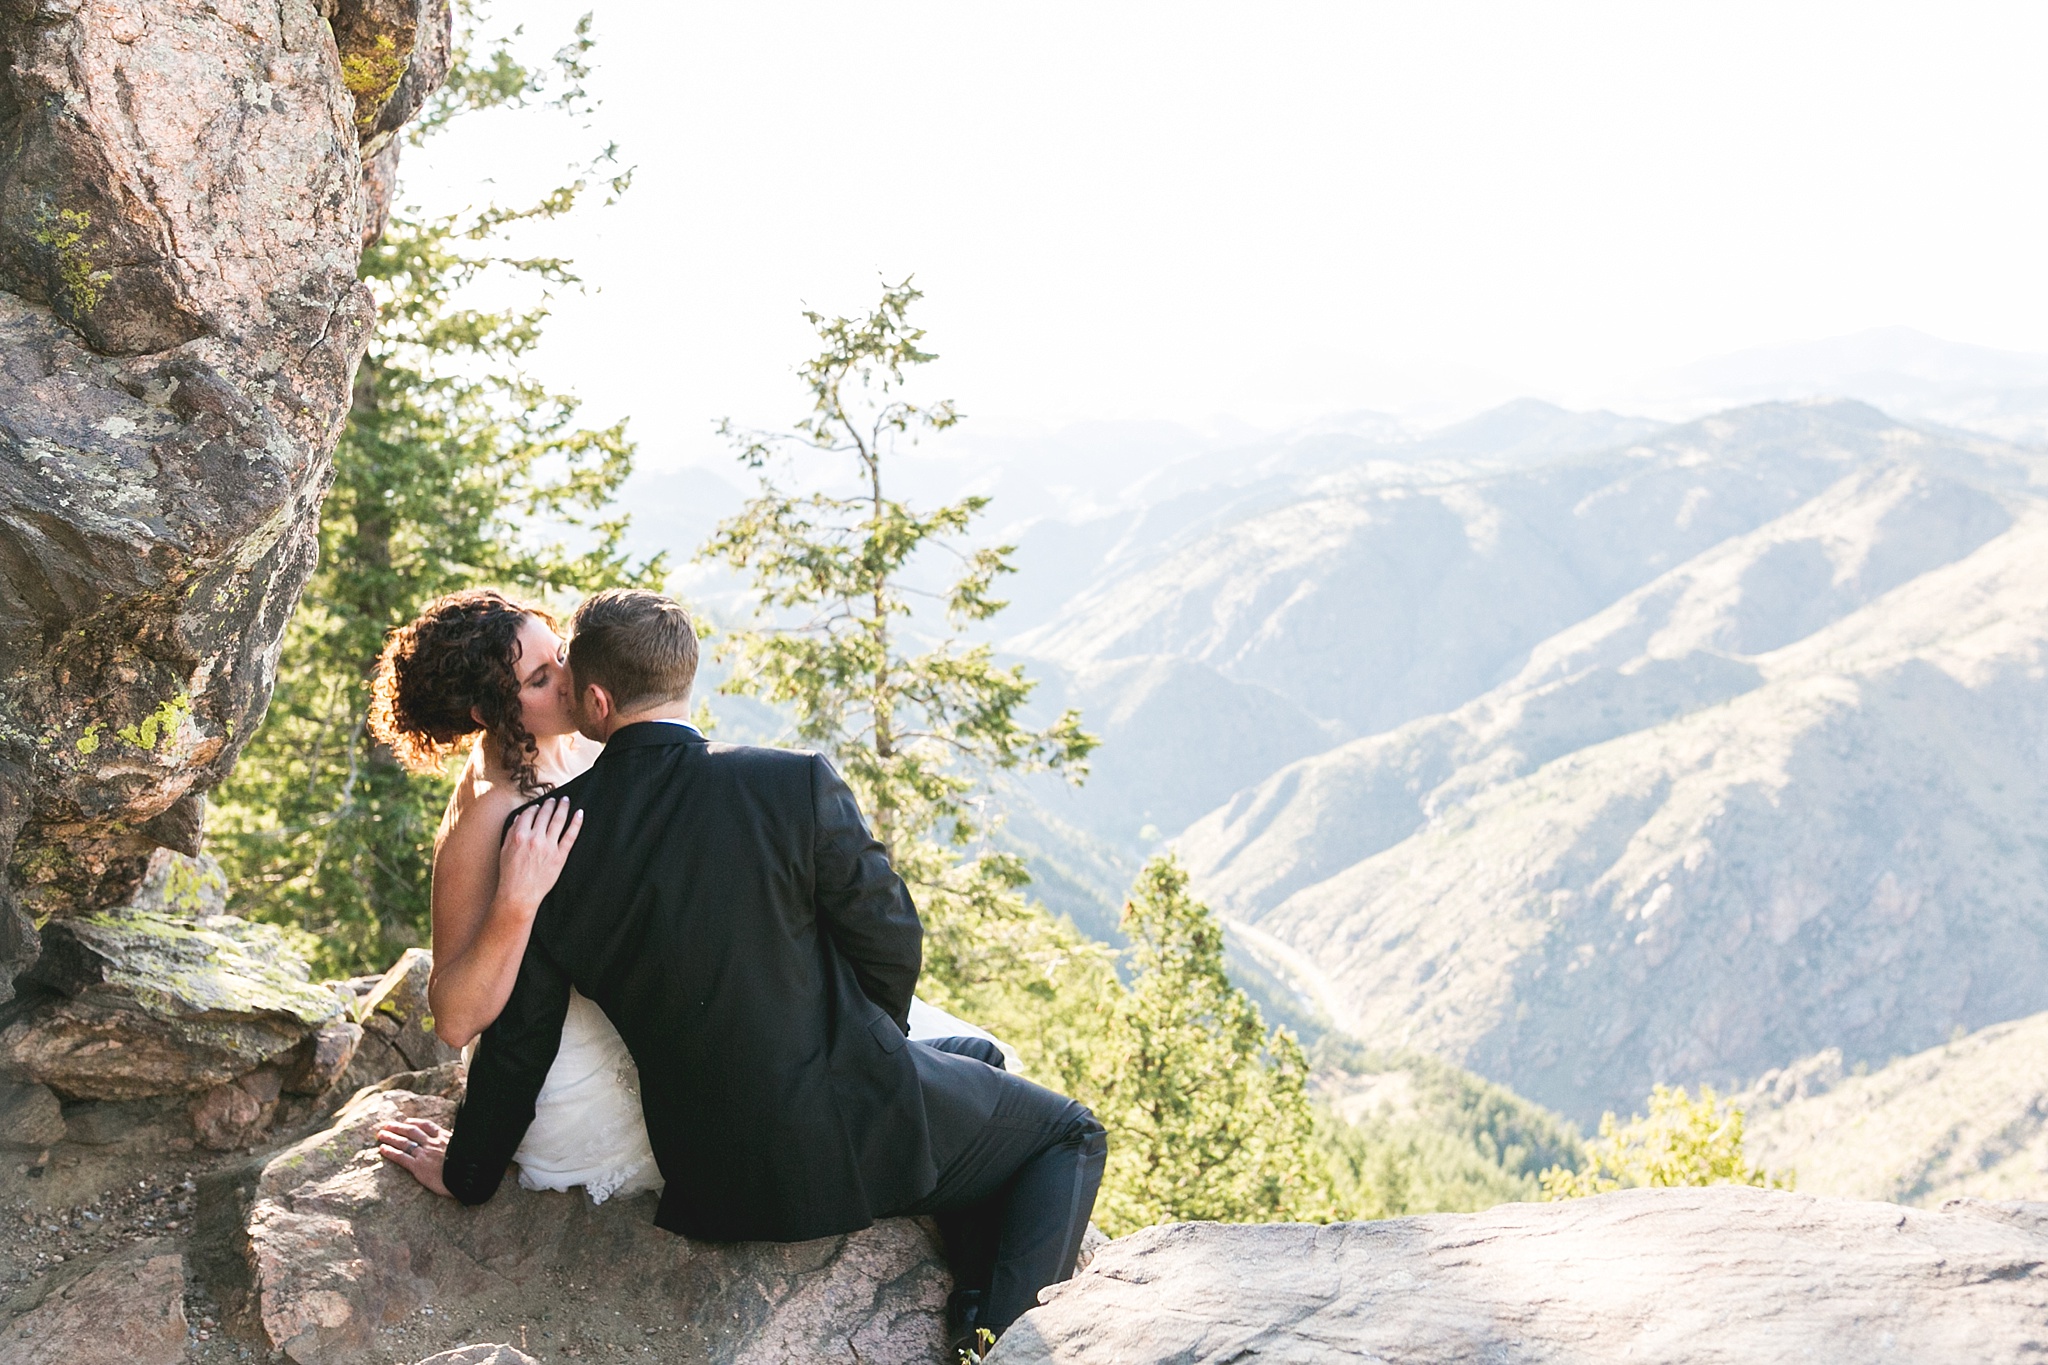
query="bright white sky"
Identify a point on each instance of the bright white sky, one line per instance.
(1277, 210)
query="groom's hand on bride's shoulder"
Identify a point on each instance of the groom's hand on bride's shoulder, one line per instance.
(419, 1147)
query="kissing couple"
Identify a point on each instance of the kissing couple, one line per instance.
(690, 966)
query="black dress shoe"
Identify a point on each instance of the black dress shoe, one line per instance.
(965, 1310)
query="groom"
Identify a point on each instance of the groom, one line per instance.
(728, 909)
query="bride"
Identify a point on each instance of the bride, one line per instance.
(478, 664)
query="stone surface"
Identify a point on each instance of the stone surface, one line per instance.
(128, 1310)
(181, 216)
(396, 1011)
(186, 885)
(1721, 1276)
(230, 1116)
(134, 1003)
(326, 1059)
(496, 1354)
(343, 1259)
(30, 1116)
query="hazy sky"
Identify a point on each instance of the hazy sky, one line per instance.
(1276, 210)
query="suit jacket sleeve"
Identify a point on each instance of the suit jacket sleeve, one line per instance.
(860, 901)
(511, 1061)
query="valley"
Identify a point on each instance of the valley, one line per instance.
(1674, 761)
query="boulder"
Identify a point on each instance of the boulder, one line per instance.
(325, 1059)
(182, 212)
(127, 1310)
(30, 1116)
(396, 1034)
(1716, 1276)
(190, 886)
(135, 1003)
(396, 1010)
(341, 1259)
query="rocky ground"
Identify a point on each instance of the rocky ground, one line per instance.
(132, 1246)
(179, 1228)
(124, 1190)
(188, 1173)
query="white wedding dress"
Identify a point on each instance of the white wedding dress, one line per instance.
(587, 1126)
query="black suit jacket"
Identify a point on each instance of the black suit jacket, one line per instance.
(728, 909)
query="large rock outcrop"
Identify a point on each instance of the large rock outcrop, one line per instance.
(1722, 1276)
(182, 208)
(333, 1257)
(148, 1004)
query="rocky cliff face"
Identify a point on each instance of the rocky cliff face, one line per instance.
(183, 201)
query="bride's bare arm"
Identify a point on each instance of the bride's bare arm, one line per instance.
(485, 894)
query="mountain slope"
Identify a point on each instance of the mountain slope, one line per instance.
(1636, 866)
(1675, 645)
(1968, 1118)
(1383, 597)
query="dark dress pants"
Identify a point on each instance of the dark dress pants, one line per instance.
(1019, 1166)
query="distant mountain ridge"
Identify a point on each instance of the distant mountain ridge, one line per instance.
(1907, 373)
(1372, 600)
(1677, 760)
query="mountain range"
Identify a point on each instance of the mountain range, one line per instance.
(1672, 761)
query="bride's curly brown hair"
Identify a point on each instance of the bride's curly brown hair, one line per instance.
(455, 662)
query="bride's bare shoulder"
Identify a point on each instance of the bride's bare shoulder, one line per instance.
(476, 810)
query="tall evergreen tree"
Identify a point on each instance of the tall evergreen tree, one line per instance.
(452, 457)
(1208, 1113)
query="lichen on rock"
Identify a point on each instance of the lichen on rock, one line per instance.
(182, 211)
(129, 1003)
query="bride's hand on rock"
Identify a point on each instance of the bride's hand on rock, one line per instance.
(534, 850)
(419, 1147)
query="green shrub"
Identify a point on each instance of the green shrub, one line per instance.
(1683, 1141)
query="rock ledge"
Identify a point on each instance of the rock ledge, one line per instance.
(335, 1258)
(1721, 1276)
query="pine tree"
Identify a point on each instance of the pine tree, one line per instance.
(917, 724)
(1208, 1113)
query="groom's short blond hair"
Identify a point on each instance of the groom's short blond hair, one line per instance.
(638, 646)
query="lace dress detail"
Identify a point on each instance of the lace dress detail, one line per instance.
(587, 1126)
